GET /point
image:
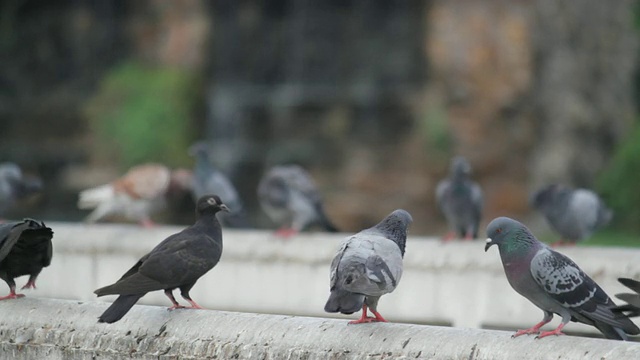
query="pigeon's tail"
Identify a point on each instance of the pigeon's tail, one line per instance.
(119, 308)
(91, 198)
(611, 332)
(324, 221)
(344, 302)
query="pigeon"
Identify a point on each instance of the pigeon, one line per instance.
(632, 306)
(574, 214)
(25, 248)
(208, 179)
(290, 198)
(136, 196)
(460, 200)
(553, 283)
(176, 263)
(15, 186)
(367, 266)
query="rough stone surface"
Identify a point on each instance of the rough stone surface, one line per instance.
(62, 329)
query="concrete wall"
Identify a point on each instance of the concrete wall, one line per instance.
(453, 284)
(62, 329)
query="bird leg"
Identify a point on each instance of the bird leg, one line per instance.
(12, 293)
(31, 284)
(536, 328)
(556, 332)
(147, 223)
(173, 300)
(186, 296)
(285, 232)
(365, 319)
(449, 236)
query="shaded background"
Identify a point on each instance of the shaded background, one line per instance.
(372, 97)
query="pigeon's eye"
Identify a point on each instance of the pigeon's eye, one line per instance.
(498, 230)
(211, 201)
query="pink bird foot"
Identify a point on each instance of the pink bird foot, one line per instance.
(31, 284)
(556, 332)
(365, 319)
(449, 236)
(285, 233)
(12, 295)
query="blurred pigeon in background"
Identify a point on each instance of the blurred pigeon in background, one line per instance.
(176, 263)
(553, 282)
(460, 200)
(14, 186)
(632, 306)
(25, 248)
(208, 179)
(135, 196)
(574, 214)
(367, 266)
(290, 198)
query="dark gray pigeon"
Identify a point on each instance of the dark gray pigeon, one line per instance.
(207, 179)
(25, 248)
(367, 266)
(290, 198)
(176, 263)
(553, 282)
(15, 186)
(632, 306)
(460, 200)
(574, 214)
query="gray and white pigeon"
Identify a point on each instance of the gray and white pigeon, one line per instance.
(176, 263)
(553, 282)
(15, 186)
(136, 196)
(460, 200)
(573, 213)
(207, 179)
(25, 248)
(632, 306)
(367, 266)
(290, 198)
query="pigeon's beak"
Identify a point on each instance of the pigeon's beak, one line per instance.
(489, 242)
(224, 208)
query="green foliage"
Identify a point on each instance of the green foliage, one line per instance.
(435, 129)
(142, 114)
(619, 183)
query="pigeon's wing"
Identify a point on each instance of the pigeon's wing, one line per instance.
(565, 282)
(561, 279)
(370, 265)
(9, 236)
(477, 198)
(300, 180)
(147, 181)
(441, 191)
(585, 205)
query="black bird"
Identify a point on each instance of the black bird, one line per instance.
(176, 263)
(25, 248)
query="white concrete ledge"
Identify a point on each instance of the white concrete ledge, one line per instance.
(53, 329)
(454, 283)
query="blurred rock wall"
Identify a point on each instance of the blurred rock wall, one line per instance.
(373, 97)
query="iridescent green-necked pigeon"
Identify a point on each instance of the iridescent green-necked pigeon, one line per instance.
(553, 282)
(367, 266)
(574, 214)
(460, 200)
